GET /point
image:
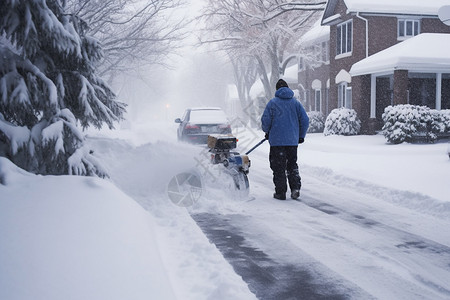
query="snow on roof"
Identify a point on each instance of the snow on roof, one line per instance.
(317, 33)
(397, 7)
(291, 74)
(421, 7)
(427, 52)
(232, 91)
(331, 19)
(257, 90)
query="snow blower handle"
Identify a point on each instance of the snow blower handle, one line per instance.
(256, 146)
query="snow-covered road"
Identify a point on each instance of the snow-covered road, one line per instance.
(348, 238)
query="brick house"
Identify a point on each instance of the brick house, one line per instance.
(314, 68)
(361, 29)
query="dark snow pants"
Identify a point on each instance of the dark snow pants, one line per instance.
(283, 161)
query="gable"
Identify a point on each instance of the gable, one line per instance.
(329, 9)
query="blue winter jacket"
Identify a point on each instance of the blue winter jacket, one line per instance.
(285, 119)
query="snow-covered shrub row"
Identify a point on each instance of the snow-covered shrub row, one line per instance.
(404, 122)
(401, 122)
(316, 122)
(441, 121)
(342, 121)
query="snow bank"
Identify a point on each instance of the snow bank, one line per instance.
(409, 171)
(71, 237)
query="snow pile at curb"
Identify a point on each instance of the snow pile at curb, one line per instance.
(407, 199)
(67, 237)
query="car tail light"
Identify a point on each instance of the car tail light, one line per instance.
(192, 126)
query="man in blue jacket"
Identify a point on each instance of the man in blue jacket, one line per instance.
(285, 123)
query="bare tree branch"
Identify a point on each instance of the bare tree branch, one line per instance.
(265, 30)
(133, 33)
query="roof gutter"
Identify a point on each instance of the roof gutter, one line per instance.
(367, 32)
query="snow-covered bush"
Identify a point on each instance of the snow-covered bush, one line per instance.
(406, 122)
(342, 121)
(316, 122)
(440, 121)
(49, 87)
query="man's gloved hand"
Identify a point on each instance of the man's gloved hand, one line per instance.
(267, 136)
(301, 140)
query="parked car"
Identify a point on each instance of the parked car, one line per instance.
(197, 123)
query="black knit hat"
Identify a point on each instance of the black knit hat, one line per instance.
(281, 83)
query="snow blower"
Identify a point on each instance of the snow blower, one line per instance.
(220, 147)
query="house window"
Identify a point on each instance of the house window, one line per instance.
(300, 64)
(318, 53)
(307, 100)
(317, 100)
(344, 95)
(344, 38)
(422, 89)
(341, 93)
(408, 28)
(348, 98)
(326, 51)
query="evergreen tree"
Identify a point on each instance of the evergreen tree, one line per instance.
(49, 88)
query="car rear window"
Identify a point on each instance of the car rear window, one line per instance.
(208, 116)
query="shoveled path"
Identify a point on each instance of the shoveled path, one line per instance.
(266, 277)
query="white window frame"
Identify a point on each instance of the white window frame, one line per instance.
(402, 28)
(344, 38)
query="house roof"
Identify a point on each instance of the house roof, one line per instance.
(232, 91)
(396, 7)
(427, 52)
(317, 33)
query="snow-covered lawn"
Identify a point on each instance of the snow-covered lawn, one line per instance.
(86, 238)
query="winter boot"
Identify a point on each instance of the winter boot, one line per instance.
(295, 194)
(279, 196)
